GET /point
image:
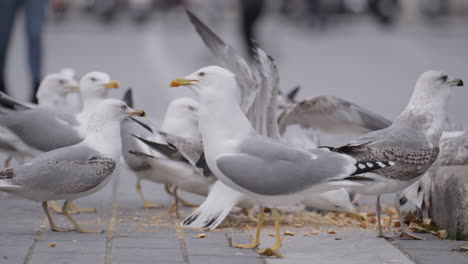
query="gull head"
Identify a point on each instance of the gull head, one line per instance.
(181, 118)
(211, 81)
(183, 108)
(56, 85)
(432, 91)
(433, 83)
(111, 110)
(96, 84)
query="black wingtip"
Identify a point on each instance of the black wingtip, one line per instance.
(369, 166)
(190, 219)
(128, 97)
(201, 163)
(145, 126)
(293, 93)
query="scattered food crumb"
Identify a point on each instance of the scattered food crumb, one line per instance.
(315, 232)
(202, 235)
(52, 245)
(298, 225)
(305, 234)
(272, 235)
(287, 233)
(442, 234)
(372, 220)
(396, 223)
(461, 249)
(121, 221)
(331, 231)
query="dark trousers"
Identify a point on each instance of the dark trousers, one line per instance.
(34, 12)
(251, 11)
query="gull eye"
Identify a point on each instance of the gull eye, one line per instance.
(191, 108)
(61, 81)
(444, 78)
(93, 79)
(201, 74)
(123, 107)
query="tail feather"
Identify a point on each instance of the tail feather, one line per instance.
(215, 208)
(10, 103)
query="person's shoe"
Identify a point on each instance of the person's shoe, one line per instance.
(3, 87)
(35, 88)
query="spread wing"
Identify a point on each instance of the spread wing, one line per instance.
(332, 115)
(231, 60)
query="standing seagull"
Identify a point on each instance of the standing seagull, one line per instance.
(411, 142)
(267, 171)
(74, 171)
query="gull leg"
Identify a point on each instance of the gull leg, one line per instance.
(7, 161)
(174, 207)
(167, 188)
(379, 222)
(273, 250)
(249, 214)
(77, 226)
(55, 207)
(53, 227)
(146, 204)
(404, 230)
(256, 242)
(78, 210)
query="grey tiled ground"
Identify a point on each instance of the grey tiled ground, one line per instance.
(148, 57)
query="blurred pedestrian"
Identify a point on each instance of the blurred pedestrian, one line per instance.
(251, 11)
(34, 12)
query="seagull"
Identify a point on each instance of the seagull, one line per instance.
(75, 171)
(411, 142)
(262, 168)
(34, 130)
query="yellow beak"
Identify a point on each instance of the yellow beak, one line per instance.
(74, 89)
(112, 84)
(137, 113)
(181, 81)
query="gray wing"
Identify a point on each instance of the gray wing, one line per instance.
(410, 150)
(332, 115)
(72, 169)
(190, 149)
(42, 128)
(262, 114)
(267, 167)
(130, 143)
(230, 58)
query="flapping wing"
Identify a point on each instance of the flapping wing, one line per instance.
(230, 59)
(262, 114)
(332, 115)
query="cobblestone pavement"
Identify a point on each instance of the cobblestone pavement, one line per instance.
(147, 57)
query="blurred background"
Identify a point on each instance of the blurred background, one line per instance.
(367, 51)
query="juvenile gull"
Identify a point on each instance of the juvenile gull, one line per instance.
(411, 142)
(267, 171)
(74, 171)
